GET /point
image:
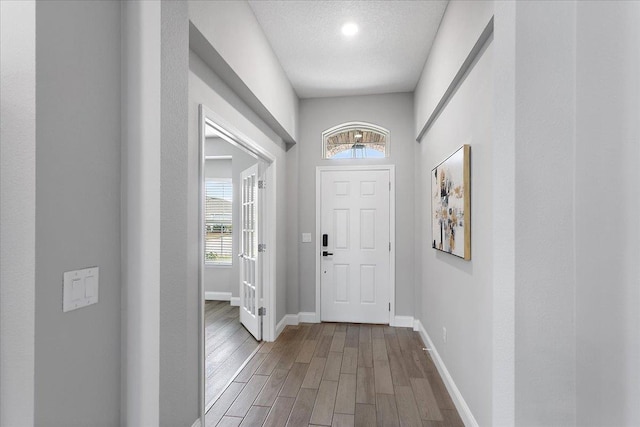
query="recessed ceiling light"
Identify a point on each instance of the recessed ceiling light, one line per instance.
(349, 29)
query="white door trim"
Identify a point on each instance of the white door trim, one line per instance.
(237, 138)
(392, 229)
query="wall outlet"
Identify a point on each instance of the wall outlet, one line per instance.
(444, 334)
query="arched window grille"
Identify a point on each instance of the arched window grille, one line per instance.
(355, 140)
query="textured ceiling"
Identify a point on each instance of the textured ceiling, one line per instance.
(387, 54)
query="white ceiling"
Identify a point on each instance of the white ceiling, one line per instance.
(387, 55)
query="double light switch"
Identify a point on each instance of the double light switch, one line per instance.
(80, 288)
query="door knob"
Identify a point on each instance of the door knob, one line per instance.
(325, 253)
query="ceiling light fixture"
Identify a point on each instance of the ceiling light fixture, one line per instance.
(349, 29)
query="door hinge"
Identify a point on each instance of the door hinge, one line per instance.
(262, 311)
(389, 306)
(389, 185)
(389, 246)
(262, 184)
(262, 247)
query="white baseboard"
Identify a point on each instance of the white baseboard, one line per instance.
(217, 296)
(288, 319)
(295, 319)
(196, 423)
(222, 296)
(402, 322)
(307, 317)
(462, 407)
(310, 317)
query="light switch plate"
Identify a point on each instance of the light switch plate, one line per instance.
(306, 237)
(80, 288)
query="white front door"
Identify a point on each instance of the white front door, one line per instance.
(355, 263)
(250, 277)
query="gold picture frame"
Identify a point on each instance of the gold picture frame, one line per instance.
(451, 204)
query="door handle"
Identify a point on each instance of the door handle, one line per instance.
(325, 253)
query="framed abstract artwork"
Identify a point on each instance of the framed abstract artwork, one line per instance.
(451, 204)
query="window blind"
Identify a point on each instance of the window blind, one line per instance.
(218, 221)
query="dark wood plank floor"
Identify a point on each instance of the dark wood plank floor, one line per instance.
(227, 346)
(332, 374)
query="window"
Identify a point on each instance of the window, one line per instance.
(218, 242)
(355, 141)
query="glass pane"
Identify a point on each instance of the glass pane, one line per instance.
(218, 221)
(355, 143)
(363, 152)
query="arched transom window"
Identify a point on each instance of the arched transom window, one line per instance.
(355, 140)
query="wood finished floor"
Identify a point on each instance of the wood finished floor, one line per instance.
(335, 374)
(227, 346)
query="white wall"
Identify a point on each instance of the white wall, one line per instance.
(227, 278)
(17, 211)
(391, 111)
(77, 360)
(233, 31)
(607, 243)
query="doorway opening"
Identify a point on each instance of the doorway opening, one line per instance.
(235, 270)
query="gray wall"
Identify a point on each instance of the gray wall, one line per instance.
(461, 24)
(140, 221)
(218, 168)
(531, 294)
(607, 152)
(17, 211)
(576, 139)
(77, 363)
(179, 300)
(577, 275)
(575, 115)
(394, 112)
(293, 234)
(544, 214)
(233, 31)
(456, 294)
(227, 278)
(474, 300)
(503, 228)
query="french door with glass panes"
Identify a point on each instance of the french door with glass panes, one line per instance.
(250, 272)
